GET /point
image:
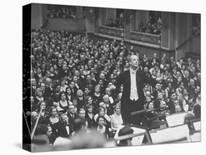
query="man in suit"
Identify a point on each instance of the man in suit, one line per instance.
(72, 116)
(133, 81)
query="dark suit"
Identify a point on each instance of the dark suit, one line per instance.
(62, 129)
(128, 106)
(91, 121)
(71, 120)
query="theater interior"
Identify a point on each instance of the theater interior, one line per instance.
(175, 36)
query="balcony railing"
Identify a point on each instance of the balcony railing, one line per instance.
(152, 39)
(117, 32)
(145, 37)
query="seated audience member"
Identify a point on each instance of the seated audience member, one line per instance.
(102, 126)
(173, 104)
(51, 135)
(63, 104)
(90, 116)
(102, 104)
(73, 88)
(82, 113)
(38, 99)
(86, 93)
(102, 114)
(56, 96)
(183, 102)
(63, 86)
(54, 120)
(197, 111)
(108, 104)
(69, 95)
(116, 118)
(160, 102)
(80, 99)
(97, 97)
(71, 115)
(108, 91)
(64, 128)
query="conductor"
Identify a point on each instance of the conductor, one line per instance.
(133, 81)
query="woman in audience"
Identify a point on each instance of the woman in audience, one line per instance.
(90, 116)
(102, 126)
(54, 121)
(116, 118)
(63, 104)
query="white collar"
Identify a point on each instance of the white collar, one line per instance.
(132, 70)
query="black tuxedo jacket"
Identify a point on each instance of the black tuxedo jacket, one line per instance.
(124, 79)
(71, 120)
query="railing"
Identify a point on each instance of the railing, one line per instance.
(132, 35)
(145, 37)
(117, 32)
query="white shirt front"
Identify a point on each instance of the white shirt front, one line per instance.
(133, 85)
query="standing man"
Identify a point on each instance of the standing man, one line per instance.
(133, 81)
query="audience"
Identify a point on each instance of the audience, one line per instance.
(74, 77)
(151, 27)
(61, 12)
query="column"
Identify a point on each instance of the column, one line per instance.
(90, 20)
(36, 16)
(168, 30)
(183, 33)
(165, 30)
(171, 31)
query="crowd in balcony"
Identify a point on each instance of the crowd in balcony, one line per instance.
(62, 12)
(151, 27)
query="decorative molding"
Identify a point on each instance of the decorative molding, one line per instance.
(145, 37)
(117, 32)
(136, 36)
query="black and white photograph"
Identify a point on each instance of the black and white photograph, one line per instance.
(103, 77)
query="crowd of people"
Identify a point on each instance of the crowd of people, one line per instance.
(117, 23)
(61, 12)
(73, 83)
(153, 27)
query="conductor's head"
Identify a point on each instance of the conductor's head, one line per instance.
(134, 61)
(124, 132)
